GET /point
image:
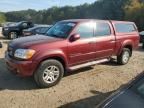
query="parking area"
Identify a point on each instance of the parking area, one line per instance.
(84, 88)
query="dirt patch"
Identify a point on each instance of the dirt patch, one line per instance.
(83, 88)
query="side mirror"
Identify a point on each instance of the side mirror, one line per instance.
(75, 37)
(0, 45)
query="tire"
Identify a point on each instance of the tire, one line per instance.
(12, 35)
(124, 57)
(49, 70)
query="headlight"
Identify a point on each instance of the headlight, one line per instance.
(24, 53)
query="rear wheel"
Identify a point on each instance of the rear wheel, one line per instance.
(13, 35)
(49, 73)
(124, 57)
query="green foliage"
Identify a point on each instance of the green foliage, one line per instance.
(101, 9)
(2, 18)
(134, 12)
(131, 10)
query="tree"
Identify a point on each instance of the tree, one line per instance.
(134, 12)
(2, 18)
(100, 9)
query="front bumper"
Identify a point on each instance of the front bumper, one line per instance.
(20, 68)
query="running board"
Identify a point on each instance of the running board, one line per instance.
(89, 64)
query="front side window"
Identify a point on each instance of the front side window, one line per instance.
(102, 29)
(30, 24)
(61, 29)
(124, 28)
(85, 30)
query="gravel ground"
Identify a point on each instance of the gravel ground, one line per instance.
(84, 88)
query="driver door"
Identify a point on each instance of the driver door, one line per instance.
(82, 50)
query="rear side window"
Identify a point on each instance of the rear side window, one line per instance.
(102, 29)
(124, 28)
(85, 30)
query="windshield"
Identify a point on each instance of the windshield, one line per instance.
(61, 29)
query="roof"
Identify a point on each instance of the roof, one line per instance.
(79, 20)
(84, 20)
(42, 25)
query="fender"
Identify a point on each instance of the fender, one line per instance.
(17, 31)
(41, 56)
(125, 43)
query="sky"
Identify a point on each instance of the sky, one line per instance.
(15, 5)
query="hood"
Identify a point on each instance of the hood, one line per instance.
(25, 42)
(11, 25)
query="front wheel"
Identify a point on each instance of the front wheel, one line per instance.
(124, 57)
(49, 73)
(13, 35)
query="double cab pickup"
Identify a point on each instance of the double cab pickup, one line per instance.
(70, 45)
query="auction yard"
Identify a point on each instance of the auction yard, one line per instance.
(84, 88)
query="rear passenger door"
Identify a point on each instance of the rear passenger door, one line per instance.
(105, 39)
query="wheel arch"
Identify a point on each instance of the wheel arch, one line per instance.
(13, 31)
(129, 47)
(59, 58)
(126, 44)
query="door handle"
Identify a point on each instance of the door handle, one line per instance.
(92, 42)
(112, 39)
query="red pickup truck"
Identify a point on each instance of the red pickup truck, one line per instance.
(70, 45)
